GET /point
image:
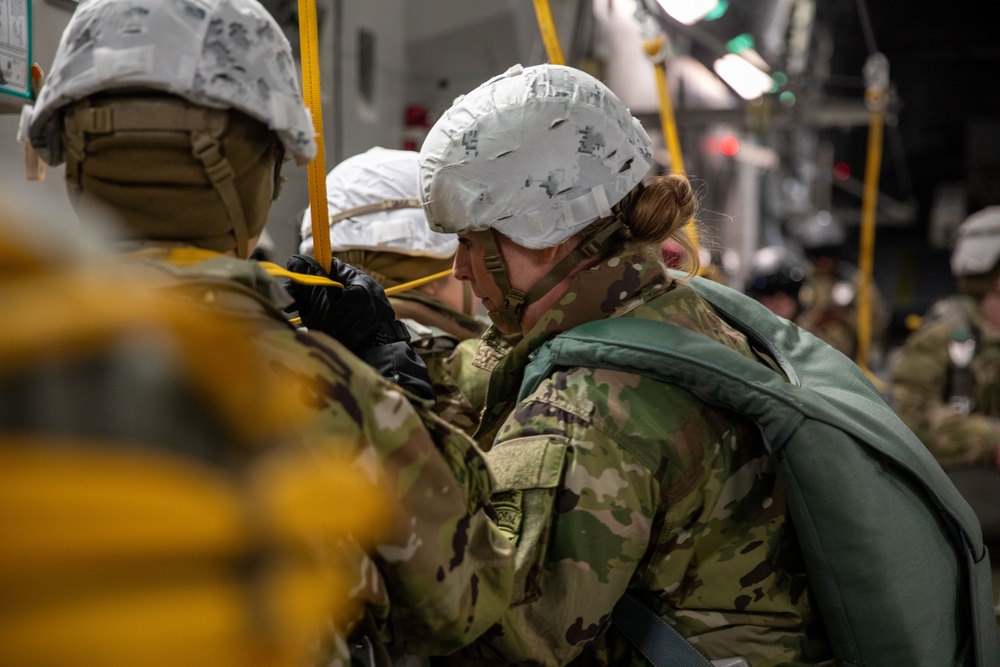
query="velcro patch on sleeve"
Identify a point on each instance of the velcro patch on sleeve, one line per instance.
(534, 462)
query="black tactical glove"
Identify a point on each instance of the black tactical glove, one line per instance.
(362, 319)
(359, 316)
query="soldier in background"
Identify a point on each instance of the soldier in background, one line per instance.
(176, 120)
(377, 225)
(776, 278)
(946, 379)
(829, 295)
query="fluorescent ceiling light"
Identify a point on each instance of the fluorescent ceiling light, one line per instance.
(688, 12)
(748, 81)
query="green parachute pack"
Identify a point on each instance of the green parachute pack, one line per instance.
(895, 554)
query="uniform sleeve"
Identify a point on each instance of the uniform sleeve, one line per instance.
(578, 507)
(446, 566)
(919, 379)
(449, 569)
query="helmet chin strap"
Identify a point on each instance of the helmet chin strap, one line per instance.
(508, 317)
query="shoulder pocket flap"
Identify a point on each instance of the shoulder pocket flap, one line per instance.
(534, 462)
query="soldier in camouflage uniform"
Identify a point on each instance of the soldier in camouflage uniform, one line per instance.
(127, 462)
(605, 481)
(175, 117)
(946, 379)
(377, 225)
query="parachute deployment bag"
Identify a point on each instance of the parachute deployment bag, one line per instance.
(894, 553)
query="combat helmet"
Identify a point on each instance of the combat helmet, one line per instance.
(377, 224)
(975, 259)
(536, 154)
(175, 63)
(374, 204)
(977, 247)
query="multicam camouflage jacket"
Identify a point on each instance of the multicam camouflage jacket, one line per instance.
(436, 331)
(444, 563)
(607, 481)
(958, 430)
(469, 368)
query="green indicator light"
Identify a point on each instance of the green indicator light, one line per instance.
(740, 43)
(717, 12)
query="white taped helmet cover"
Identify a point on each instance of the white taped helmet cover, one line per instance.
(978, 246)
(375, 176)
(224, 54)
(537, 153)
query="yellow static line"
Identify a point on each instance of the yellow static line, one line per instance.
(548, 30)
(297, 321)
(316, 171)
(301, 278)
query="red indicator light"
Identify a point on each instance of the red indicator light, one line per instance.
(841, 171)
(729, 145)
